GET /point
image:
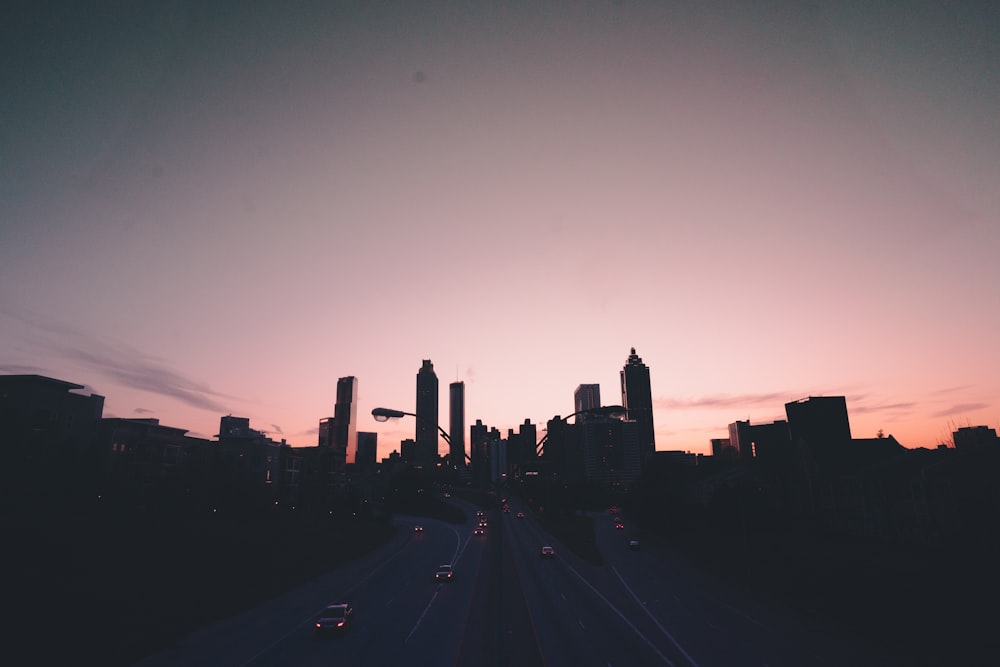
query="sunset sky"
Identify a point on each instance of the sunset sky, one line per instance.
(222, 207)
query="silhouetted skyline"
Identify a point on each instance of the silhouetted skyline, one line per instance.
(216, 209)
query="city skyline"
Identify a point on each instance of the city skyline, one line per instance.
(798, 200)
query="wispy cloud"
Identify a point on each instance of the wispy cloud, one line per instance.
(276, 429)
(722, 401)
(951, 390)
(142, 411)
(137, 371)
(17, 369)
(887, 407)
(961, 408)
(120, 363)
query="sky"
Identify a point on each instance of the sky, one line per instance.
(221, 208)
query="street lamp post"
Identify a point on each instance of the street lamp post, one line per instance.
(610, 411)
(385, 414)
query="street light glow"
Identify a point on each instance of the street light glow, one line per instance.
(385, 414)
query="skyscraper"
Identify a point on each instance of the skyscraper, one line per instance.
(637, 399)
(427, 415)
(456, 424)
(367, 457)
(586, 397)
(345, 419)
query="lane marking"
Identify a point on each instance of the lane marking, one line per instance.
(654, 619)
(613, 608)
(423, 613)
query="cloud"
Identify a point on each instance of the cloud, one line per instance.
(15, 369)
(961, 408)
(952, 390)
(120, 363)
(722, 401)
(276, 429)
(142, 411)
(137, 371)
(888, 407)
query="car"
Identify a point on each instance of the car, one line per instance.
(520, 515)
(334, 619)
(418, 529)
(633, 545)
(444, 573)
(482, 523)
(479, 530)
(548, 552)
(447, 495)
(620, 526)
(506, 509)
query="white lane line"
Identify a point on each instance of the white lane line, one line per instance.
(613, 608)
(744, 615)
(423, 613)
(654, 619)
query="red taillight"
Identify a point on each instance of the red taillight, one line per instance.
(340, 624)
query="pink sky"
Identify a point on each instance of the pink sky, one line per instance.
(223, 211)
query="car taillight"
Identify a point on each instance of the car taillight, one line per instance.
(340, 624)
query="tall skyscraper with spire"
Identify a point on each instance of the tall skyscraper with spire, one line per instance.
(456, 424)
(637, 399)
(427, 415)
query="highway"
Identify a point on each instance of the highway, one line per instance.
(508, 606)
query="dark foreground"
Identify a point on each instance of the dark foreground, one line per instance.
(110, 589)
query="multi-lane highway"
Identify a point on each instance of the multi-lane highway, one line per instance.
(509, 606)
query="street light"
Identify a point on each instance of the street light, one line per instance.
(385, 414)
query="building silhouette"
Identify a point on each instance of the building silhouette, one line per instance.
(345, 419)
(819, 421)
(427, 416)
(637, 399)
(325, 434)
(586, 397)
(481, 439)
(610, 450)
(975, 438)
(367, 456)
(456, 424)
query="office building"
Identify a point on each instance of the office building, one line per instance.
(456, 424)
(367, 456)
(586, 397)
(427, 416)
(610, 450)
(819, 421)
(637, 399)
(345, 419)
